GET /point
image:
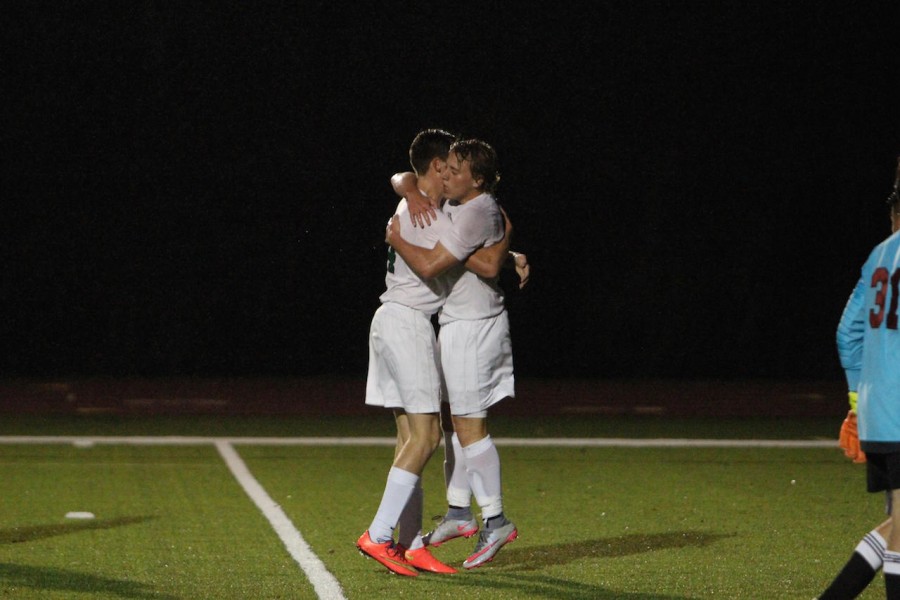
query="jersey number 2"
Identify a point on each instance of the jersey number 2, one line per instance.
(880, 279)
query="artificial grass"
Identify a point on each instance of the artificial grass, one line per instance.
(603, 522)
(594, 522)
(171, 522)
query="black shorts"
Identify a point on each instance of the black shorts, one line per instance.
(882, 471)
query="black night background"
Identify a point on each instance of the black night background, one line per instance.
(201, 189)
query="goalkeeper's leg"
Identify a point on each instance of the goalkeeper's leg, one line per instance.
(892, 556)
(857, 574)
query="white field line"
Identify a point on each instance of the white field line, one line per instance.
(390, 441)
(325, 584)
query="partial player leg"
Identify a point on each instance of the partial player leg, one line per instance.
(866, 560)
(892, 556)
(483, 470)
(377, 541)
(459, 521)
(410, 522)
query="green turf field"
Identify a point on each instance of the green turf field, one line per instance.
(172, 521)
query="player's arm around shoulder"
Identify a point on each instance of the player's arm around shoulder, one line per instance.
(426, 263)
(406, 185)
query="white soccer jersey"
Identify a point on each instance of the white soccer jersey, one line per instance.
(476, 223)
(403, 285)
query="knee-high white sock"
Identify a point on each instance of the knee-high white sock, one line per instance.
(459, 492)
(483, 470)
(872, 548)
(860, 569)
(410, 522)
(399, 487)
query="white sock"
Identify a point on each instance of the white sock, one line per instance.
(872, 548)
(891, 563)
(399, 487)
(459, 493)
(410, 522)
(892, 574)
(483, 470)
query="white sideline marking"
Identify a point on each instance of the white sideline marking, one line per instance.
(86, 441)
(325, 584)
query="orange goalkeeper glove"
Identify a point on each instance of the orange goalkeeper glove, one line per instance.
(849, 438)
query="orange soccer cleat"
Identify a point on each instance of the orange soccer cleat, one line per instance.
(387, 553)
(424, 560)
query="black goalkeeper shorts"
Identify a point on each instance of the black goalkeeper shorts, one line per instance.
(882, 471)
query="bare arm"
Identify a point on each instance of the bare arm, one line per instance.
(484, 265)
(421, 212)
(487, 262)
(426, 263)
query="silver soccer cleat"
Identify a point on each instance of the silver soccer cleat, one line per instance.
(489, 544)
(449, 529)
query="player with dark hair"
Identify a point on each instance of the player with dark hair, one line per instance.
(868, 343)
(476, 351)
(404, 373)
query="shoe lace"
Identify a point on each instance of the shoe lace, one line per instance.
(395, 550)
(482, 540)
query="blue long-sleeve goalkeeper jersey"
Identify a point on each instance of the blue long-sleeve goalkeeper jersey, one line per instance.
(868, 343)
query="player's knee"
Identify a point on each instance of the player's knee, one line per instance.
(434, 440)
(426, 442)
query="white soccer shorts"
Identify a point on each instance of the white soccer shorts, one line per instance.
(403, 366)
(478, 364)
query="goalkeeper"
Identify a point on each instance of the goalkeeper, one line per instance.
(868, 340)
